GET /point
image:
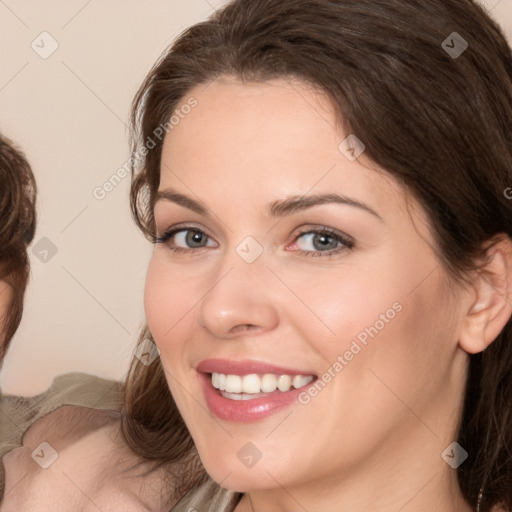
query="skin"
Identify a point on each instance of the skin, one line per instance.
(372, 438)
(6, 295)
(86, 476)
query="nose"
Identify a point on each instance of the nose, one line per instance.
(243, 300)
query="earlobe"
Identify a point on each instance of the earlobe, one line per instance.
(491, 306)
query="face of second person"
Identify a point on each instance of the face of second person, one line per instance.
(277, 290)
(6, 293)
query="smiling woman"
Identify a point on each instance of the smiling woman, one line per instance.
(337, 166)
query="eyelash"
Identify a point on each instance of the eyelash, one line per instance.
(346, 242)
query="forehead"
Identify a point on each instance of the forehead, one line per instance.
(271, 138)
(273, 118)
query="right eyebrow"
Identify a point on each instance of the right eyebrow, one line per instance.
(182, 200)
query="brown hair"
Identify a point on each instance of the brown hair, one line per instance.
(17, 228)
(440, 124)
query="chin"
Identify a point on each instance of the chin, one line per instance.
(240, 476)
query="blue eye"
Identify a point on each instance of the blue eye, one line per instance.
(325, 241)
(329, 241)
(194, 236)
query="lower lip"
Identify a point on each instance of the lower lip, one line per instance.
(245, 411)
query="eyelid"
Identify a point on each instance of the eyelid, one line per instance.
(326, 229)
(347, 242)
(181, 226)
(318, 227)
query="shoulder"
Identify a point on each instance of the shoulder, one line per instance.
(71, 389)
(66, 424)
(86, 451)
(83, 389)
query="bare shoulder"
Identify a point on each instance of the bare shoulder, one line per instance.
(89, 453)
(120, 471)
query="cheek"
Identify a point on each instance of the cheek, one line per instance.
(169, 299)
(167, 302)
(395, 321)
(341, 305)
(160, 302)
(406, 348)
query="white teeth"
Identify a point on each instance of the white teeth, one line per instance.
(253, 383)
(300, 380)
(233, 384)
(216, 380)
(269, 383)
(221, 380)
(284, 383)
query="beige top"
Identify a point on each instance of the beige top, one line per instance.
(17, 413)
(209, 497)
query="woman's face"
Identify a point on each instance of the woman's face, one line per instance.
(262, 289)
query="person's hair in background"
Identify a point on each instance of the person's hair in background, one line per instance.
(18, 193)
(440, 125)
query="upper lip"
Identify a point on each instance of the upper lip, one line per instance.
(245, 367)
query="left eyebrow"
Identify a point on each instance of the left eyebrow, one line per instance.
(278, 208)
(295, 204)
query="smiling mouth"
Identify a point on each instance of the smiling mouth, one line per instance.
(253, 385)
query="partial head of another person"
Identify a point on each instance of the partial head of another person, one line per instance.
(18, 193)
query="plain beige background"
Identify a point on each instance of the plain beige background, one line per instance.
(69, 112)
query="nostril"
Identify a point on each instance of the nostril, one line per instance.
(244, 327)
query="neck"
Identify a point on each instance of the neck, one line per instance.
(322, 500)
(408, 475)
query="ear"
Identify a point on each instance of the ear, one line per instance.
(490, 299)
